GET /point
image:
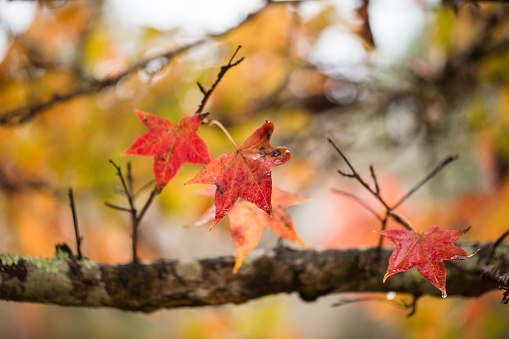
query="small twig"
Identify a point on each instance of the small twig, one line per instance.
(398, 303)
(403, 221)
(130, 179)
(144, 187)
(495, 245)
(356, 175)
(446, 161)
(384, 226)
(375, 181)
(225, 131)
(220, 75)
(202, 90)
(115, 207)
(413, 305)
(75, 221)
(360, 201)
(132, 210)
(124, 185)
(135, 217)
(147, 204)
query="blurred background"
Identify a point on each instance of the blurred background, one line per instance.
(396, 84)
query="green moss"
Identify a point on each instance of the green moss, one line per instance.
(50, 265)
(9, 259)
(88, 264)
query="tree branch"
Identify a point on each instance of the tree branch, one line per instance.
(24, 114)
(150, 286)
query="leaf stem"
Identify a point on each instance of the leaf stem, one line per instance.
(225, 131)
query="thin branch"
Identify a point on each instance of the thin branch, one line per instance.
(360, 201)
(220, 75)
(75, 222)
(115, 207)
(130, 180)
(135, 217)
(124, 185)
(413, 305)
(147, 204)
(397, 303)
(356, 175)
(144, 187)
(446, 161)
(132, 211)
(375, 181)
(495, 245)
(403, 221)
(24, 114)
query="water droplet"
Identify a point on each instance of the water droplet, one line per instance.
(444, 295)
(390, 295)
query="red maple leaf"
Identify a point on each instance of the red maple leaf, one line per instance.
(170, 145)
(425, 252)
(247, 222)
(245, 173)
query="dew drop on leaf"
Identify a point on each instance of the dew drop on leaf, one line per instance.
(444, 295)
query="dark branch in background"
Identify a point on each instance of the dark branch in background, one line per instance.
(150, 286)
(220, 75)
(75, 222)
(136, 218)
(24, 114)
(13, 181)
(389, 211)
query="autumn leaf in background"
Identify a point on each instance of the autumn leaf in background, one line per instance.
(425, 252)
(170, 145)
(247, 222)
(245, 173)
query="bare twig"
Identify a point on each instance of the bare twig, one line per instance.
(360, 201)
(356, 175)
(144, 187)
(135, 217)
(446, 161)
(75, 222)
(398, 303)
(115, 207)
(403, 221)
(220, 75)
(494, 247)
(376, 192)
(413, 305)
(147, 204)
(375, 181)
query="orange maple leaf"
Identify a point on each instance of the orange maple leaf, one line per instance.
(247, 222)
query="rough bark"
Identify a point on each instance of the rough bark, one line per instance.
(149, 286)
